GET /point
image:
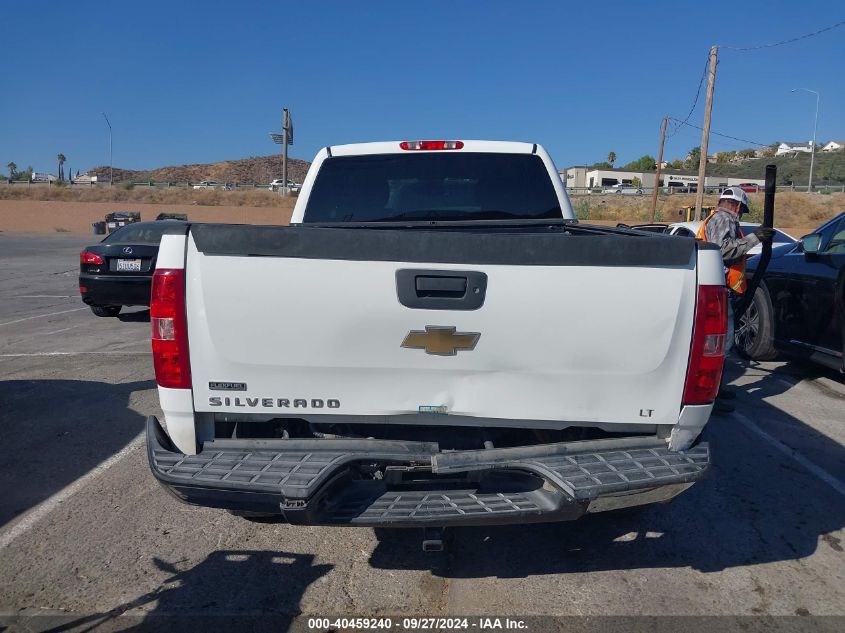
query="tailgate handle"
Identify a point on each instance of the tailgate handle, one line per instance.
(441, 289)
(452, 287)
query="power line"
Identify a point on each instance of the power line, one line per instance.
(741, 140)
(698, 92)
(695, 101)
(789, 41)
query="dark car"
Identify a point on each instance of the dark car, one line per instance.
(167, 215)
(119, 270)
(118, 219)
(798, 308)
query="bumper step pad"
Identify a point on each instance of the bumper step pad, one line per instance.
(590, 475)
(292, 473)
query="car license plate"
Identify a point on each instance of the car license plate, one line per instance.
(133, 265)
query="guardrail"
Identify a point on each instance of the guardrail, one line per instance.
(152, 184)
(715, 189)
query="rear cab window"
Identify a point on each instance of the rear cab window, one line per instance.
(432, 186)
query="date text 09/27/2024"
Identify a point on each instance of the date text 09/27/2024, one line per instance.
(418, 623)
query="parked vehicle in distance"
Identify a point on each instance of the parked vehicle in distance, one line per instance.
(750, 187)
(681, 187)
(276, 184)
(117, 219)
(799, 307)
(689, 229)
(118, 271)
(435, 345)
(648, 228)
(167, 215)
(624, 189)
(209, 184)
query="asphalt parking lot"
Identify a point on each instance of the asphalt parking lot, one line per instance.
(88, 537)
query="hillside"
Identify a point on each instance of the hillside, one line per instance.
(256, 169)
(829, 169)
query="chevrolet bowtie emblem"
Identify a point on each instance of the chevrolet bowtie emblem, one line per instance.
(441, 341)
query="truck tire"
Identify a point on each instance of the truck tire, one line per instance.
(106, 311)
(754, 334)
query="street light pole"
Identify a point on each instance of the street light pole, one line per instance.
(111, 167)
(815, 127)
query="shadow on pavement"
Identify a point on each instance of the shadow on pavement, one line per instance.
(139, 316)
(228, 591)
(52, 432)
(757, 506)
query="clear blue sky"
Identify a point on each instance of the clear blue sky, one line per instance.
(201, 82)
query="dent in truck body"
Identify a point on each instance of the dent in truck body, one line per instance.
(690, 424)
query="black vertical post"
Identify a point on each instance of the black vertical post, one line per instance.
(766, 255)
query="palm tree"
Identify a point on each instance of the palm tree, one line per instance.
(611, 158)
(13, 170)
(61, 159)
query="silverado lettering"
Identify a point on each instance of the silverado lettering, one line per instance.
(270, 403)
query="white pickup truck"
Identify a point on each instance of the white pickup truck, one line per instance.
(435, 340)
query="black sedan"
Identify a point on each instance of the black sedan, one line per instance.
(119, 270)
(799, 308)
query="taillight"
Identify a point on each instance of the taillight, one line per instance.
(170, 329)
(87, 257)
(707, 353)
(431, 145)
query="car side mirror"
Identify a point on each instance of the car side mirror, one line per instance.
(810, 244)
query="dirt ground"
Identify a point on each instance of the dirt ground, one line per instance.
(42, 216)
(39, 216)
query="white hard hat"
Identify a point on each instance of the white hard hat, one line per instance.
(735, 193)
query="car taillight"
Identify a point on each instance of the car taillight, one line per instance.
(87, 257)
(170, 329)
(707, 352)
(431, 145)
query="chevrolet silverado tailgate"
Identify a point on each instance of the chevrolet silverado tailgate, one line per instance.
(543, 328)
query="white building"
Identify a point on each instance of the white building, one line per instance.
(790, 148)
(833, 146)
(587, 178)
(584, 179)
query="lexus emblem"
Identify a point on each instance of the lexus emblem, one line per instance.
(127, 250)
(441, 340)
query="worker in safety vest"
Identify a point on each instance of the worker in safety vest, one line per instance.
(722, 228)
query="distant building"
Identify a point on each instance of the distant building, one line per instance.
(579, 179)
(790, 148)
(589, 178)
(833, 146)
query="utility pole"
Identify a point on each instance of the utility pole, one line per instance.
(111, 167)
(813, 149)
(815, 128)
(657, 171)
(285, 120)
(705, 134)
(284, 139)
